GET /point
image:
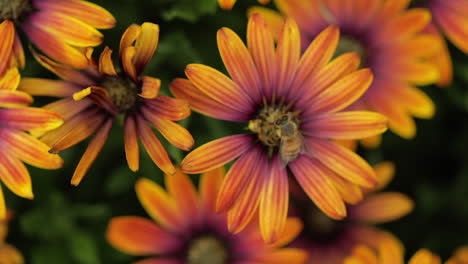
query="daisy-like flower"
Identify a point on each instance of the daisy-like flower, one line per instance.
(60, 28)
(292, 107)
(389, 251)
(94, 97)
(329, 241)
(18, 146)
(189, 231)
(228, 4)
(8, 253)
(390, 40)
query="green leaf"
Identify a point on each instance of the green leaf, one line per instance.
(190, 10)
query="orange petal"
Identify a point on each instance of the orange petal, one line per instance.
(176, 134)
(350, 192)
(346, 125)
(423, 256)
(168, 108)
(318, 186)
(185, 90)
(91, 152)
(262, 47)
(7, 31)
(68, 107)
(274, 19)
(385, 171)
(247, 202)
(344, 162)
(145, 45)
(127, 62)
(185, 195)
(10, 80)
(391, 8)
(15, 175)
(29, 118)
(46, 87)
(239, 63)
(390, 249)
(139, 236)
(3, 213)
(100, 96)
(150, 87)
(14, 98)
(317, 55)
(85, 11)
(154, 147)
(10, 254)
(129, 37)
(454, 25)
(396, 206)
(55, 48)
(362, 254)
(286, 255)
(288, 51)
(274, 201)
(132, 151)
(219, 87)
(307, 14)
(292, 229)
(106, 65)
(30, 149)
(404, 25)
(159, 204)
(226, 4)
(216, 153)
(58, 26)
(210, 184)
(342, 93)
(237, 179)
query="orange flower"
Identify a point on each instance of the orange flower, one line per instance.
(389, 251)
(292, 106)
(390, 39)
(8, 253)
(228, 4)
(329, 241)
(459, 257)
(19, 146)
(186, 228)
(94, 97)
(60, 28)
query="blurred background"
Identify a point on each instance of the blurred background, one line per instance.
(66, 224)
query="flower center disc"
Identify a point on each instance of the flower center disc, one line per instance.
(12, 9)
(205, 250)
(350, 44)
(122, 90)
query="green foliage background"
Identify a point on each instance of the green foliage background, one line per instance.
(66, 224)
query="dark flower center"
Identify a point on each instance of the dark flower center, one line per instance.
(349, 44)
(207, 249)
(319, 227)
(419, 3)
(123, 90)
(13, 9)
(278, 128)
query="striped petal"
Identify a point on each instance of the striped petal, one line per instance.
(15, 175)
(454, 25)
(132, 151)
(346, 125)
(159, 205)
(262, 47)
(29, 149)
(91, 152)
(106, 65)
(29, 118)
(10, 80)
(100, 96)
(342, 161)
(274, 201)
(46, 87)
(239, 63)
(87, 12)
(216, 153)
(288, 51)
(128, 38)
(342, 93)
(150, 87)
(127, 56)
(67, 107)
(176, 134)
(219, 87)
(396, 206)
(139, 236)
(318, 186)
(273, 18)
(7, 31)
(350, 192)
(185, 195)
(58, 26)
(145, 45)
(247, 202)
(210, 184)
(154, 147)
(168, 108)
(185, 90)
(14, 98)
(237, 179)
(55, 48)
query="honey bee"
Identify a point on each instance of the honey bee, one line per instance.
(291, 140)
